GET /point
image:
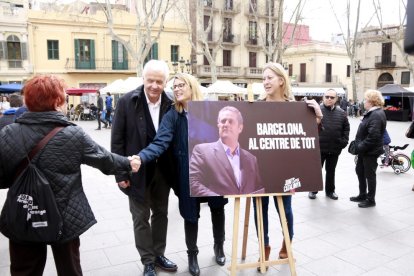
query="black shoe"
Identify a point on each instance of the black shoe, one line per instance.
(219, 252)
(312, 195)
(149, 270)
(193, 263)
(366, 203)
(332, 196)
(165, 264)
(98, 128)
(358, 198)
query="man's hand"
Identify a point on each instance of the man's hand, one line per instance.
(124, 184)
(135, 162)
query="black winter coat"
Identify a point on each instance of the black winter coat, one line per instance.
(369, 137)
(334, 135)
(60, 161)
(130, 135)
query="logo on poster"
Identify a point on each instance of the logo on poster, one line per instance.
(291, 184)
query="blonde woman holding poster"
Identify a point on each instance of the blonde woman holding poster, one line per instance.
(277, 87)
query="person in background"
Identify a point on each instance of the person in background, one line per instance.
(173, 132)
(386, 146)
(277, 89)
(60, 160)
(332, 139)
(136, 122)
(4, 104)
(344, 105)
(108, 107)
(99, 108)
(369, 141)
(9, 114)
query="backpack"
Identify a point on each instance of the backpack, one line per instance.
(30, 213)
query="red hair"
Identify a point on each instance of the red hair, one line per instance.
(44, 93)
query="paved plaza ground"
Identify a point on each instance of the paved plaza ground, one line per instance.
(331, 237)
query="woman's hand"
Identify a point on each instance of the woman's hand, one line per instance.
(317, 108)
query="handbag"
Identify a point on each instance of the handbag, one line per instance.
(410, 131)
(352, 148)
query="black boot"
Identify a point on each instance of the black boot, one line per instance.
(193, 263)
(218, 221)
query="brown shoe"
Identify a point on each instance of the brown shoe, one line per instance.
(283, 252)
(267, 254)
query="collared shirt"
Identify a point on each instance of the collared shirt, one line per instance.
(234, 159)
(154, 109)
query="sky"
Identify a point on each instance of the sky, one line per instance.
(321, 20)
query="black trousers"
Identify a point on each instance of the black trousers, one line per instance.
(191, 229)
(30, 259)
(98, 115)
(366, 170)
(330, 160)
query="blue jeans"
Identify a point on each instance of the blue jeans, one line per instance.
(287, 204)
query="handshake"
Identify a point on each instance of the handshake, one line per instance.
(135, 162)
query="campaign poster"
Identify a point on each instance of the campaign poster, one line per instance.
(273, 149)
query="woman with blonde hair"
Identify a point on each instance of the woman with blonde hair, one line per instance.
(369, 145)
(277, 89)
(173, 131)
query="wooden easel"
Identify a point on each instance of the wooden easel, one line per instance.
(262, 263)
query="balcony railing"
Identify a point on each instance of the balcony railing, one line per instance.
(15, 63)
(385, 61)
(222, 71)
(253, 42)
(100, 65)
(253, 72)
(260, 10)
(231, 38)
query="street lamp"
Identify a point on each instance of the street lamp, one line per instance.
(182, 61)
(175, 66)
(188, 66)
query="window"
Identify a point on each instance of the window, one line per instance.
(328, 72)
(405, 77)
(175, 53)
(227, 32)
(270, 7)
(302, 77)
(290, 70)
(206, 24)
(270, 33)
(252, 6)
(84, 54)
(228, 5)
(252, 59)
(386, 53)
(205, 62)
(226, 57)
(253, 32)
(52, 49)
(119, 56)
(348, 71)
(153, 53)
(16, 51)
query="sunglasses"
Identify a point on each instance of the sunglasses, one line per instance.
(330, 97)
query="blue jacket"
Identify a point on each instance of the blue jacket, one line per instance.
(173, 131)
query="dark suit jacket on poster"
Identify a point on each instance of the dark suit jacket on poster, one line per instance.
(211, 173)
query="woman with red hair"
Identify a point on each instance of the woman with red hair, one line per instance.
(59, 161)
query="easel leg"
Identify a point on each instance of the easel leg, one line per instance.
(259, 214)
(286, 235)
(246, 227)
(235, 236)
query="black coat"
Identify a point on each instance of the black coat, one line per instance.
(60, 161)
(130, 135)
(334, 135)
(369, 137)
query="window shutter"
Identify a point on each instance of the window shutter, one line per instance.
(92, 54)
(154, 50)
(23, 46)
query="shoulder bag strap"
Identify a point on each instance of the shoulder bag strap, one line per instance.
(35, 150)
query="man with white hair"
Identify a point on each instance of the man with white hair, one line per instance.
(137, 116)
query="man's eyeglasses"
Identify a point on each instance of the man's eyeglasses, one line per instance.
(180, 85)
(330, 97)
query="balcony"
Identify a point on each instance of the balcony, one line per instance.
(222, 71)
(253, 43)
(259, 10)
(231, 40)
(230, 8)
(385, 61)
(100, 65)
(253, 72)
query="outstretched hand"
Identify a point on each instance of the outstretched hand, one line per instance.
(135, 162)
(316, 107)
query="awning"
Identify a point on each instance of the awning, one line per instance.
(315, 91)
(10, 88)
(80, 91)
